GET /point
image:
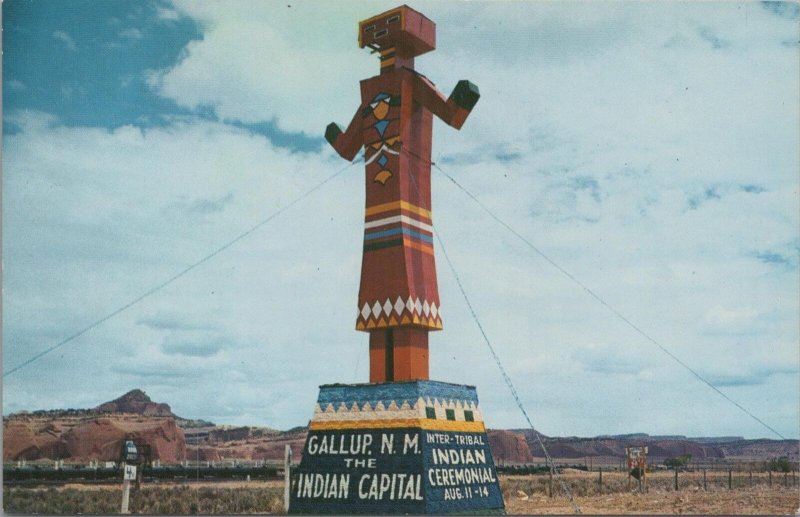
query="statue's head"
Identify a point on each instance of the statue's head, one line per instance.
(402, 28)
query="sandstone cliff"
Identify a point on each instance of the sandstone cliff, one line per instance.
(509, 447)
(96, 434)
(258, 444)
(81, 439)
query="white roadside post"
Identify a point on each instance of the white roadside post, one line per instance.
(130, 475)
(287, 465)
(130, 454)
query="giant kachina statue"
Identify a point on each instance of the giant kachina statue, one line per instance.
(398, 302)
(403, 443)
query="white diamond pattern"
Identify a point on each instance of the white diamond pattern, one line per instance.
(413, 306)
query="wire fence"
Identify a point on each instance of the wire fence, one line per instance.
(598, 482)
(184, 472)
(721, 479)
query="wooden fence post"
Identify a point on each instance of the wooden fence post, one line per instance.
(729, 478)
(770, 478)
(550, 485)
(601, 479)
(676, 479)
(704, 480)
(786, 479)
(644, 476)
(287, 465)
(751, 477)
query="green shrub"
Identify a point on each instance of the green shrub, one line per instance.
(781, 464)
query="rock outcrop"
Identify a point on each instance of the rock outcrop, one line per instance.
(102, 438)
(135, 401)
(31, 438)
(90, 438)
(97, 434)
(509, 447)
(259, 444)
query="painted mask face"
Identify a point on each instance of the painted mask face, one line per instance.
(402, 27)
(383, 30)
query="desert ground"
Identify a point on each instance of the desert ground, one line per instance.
(524, 495)
(749, 494)
(755, 501)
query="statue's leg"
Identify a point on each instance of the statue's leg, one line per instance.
(398, 354)
(381, 356)
(410, 354)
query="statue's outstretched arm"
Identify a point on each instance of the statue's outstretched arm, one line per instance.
(453, 110)
(348, 143)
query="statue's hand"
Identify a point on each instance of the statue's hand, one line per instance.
(465, 95)
(332, 132)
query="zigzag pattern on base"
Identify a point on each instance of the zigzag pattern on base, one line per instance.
(393, 411)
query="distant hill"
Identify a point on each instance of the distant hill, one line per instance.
(135, 401)
(612, 448)
(80, 435)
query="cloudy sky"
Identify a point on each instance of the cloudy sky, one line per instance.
(650, 149)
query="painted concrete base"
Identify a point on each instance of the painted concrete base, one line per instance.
(416, 447)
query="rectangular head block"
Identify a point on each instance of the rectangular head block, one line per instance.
(401, 27)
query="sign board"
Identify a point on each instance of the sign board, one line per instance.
(637, 457)
(130, 473)
(395, 471)
(131, 453)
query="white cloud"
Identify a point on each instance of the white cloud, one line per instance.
(166, 14)
(656, 166)
(100, 217)
(66, 39)
(131, 33)
(258, 62)
(15, 85)
(732, 320)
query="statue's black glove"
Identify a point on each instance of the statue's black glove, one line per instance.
(465, 95)
(332, 132)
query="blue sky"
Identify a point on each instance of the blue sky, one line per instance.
(650, 149)
(84, 61)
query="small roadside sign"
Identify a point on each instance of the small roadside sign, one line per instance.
(130, 472)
